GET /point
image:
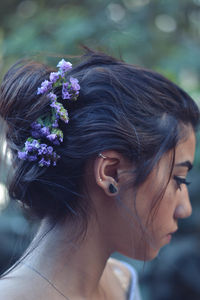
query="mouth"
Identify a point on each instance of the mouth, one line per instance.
(174, 231)
(169, 235)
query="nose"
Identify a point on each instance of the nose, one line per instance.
(184, 207)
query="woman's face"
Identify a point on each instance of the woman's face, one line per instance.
(154, 221)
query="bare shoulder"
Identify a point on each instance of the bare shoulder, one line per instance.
(17, 286)
(20, 285)
(9, 291)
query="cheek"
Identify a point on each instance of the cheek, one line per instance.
(168, 202)
(163, 216)
(146, 220)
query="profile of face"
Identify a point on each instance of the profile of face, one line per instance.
(175, 204)
(160, 222)
(145, 225)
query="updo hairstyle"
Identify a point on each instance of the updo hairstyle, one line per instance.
(134, 111)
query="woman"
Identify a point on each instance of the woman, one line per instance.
(101, 153)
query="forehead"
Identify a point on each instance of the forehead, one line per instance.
(185, 149)
(183, 152)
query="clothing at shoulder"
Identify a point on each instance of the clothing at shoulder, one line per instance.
(127, 276)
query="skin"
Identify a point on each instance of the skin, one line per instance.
(79, 268)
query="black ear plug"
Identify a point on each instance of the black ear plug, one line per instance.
(112, 188)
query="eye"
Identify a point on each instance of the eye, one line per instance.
(181, 180)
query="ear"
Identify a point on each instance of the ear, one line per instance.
(108, 167)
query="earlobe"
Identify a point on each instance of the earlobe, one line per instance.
(112, 189)
(106, 170)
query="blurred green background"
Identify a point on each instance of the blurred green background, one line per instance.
(162, 35)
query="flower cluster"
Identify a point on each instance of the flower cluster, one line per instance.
(45, 132)
(35, 151)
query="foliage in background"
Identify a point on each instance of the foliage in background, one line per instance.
(163, 35)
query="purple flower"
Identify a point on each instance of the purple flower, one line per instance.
(33, 149)
(74, 84)
(31, 146)
(66, 95)
(22, 155)
(32, 157)
(45, 131)
(35, 143)
(44, 162)
(35, 134)
(55, 157)
(50, 150)
(64, 66)
(60, 138)
(36, 125)
(45, 87)
(56, 105)
(65, 92)
(43, 149)
(53, 138)
(64, 115)
(54, 76)
(52, 97)
(59, 134)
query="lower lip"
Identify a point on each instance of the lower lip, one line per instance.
(169, 237)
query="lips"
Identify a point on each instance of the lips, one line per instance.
(169, 235)
(173, 231)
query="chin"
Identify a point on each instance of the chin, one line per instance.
(145, 255)
(152, 255)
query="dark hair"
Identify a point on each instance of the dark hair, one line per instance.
(132, 110)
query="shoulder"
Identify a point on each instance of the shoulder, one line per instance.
(8, 291)
(17, 286)
(127, 276)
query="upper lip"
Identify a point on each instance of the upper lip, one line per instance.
(173, 231)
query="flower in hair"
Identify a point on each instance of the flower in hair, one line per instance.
(45, 86)
(64, 66)
(54, 76)
(74, 84)
(45, 132)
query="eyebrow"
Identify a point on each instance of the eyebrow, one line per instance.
(186, 164)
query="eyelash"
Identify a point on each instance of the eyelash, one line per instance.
(180, 180)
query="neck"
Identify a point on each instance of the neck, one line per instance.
(74, 267)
